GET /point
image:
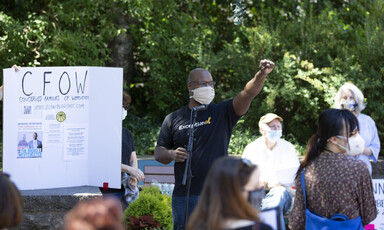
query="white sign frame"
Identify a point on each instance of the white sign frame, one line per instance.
(76, 113)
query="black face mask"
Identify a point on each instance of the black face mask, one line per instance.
(255, 197)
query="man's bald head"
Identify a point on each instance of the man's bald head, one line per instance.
(196, 74)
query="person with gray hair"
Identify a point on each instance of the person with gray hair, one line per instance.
(350, 97)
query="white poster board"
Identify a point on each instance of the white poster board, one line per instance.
(378, 191)
(62, 126)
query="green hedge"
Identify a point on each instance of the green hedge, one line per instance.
(151, 202)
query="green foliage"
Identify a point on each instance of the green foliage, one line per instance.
(316, 45)
(241, 138)
(144, 132)
(173, 39)
(151, 202)
(297, 88)
(57, 34)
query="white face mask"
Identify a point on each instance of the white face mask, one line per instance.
(355, 143)
(274, 135)
(349, 104)
(203, 95)
(124, 114)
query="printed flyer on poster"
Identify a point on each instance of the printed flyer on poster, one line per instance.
(76, 142)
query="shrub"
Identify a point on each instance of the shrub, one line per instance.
(144, 132)
(240, 138)
(151, 202)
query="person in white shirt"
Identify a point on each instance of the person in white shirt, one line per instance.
(277, 161)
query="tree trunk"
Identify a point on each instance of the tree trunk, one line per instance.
(122, 48)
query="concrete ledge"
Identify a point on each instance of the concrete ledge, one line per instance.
(46, 208)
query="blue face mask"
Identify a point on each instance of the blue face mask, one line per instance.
(255, 197)
(351, 105)
(274, 135)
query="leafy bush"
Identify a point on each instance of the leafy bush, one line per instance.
(316, 45)
(144, 132)
(151, 202)
(241, 138)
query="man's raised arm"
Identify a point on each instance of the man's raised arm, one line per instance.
(243, 100)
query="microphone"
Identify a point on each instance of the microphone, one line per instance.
(200, 107)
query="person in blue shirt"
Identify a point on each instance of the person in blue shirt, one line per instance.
(350, 97)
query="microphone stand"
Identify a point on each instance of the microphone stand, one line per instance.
(188, 170)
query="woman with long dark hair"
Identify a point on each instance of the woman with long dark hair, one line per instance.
(335, 183)
(11, 203)
(223, 203)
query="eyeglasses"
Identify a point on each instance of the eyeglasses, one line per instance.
(204, 83)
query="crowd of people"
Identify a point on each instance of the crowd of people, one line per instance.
(344, 140)
(334, 179)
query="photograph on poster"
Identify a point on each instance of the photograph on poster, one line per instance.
(30, 144)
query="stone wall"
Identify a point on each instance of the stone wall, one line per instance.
(45, 208)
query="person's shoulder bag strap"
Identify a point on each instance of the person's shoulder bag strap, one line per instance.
(303, 187)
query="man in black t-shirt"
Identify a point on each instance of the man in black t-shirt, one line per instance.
(212, 134)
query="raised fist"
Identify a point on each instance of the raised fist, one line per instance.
(266, 66)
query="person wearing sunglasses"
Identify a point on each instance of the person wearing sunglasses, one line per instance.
(278, 163)
(225, 200)
(212, 133)
(335, 183)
